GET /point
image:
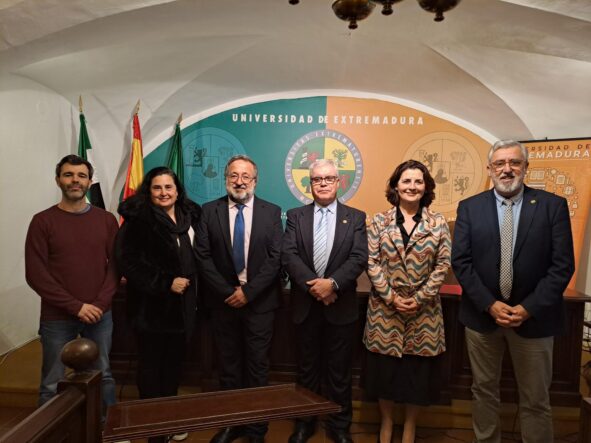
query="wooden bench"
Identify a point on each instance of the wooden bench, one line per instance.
(188, 413)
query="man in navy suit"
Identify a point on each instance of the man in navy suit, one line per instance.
(513, 256)
(238, 244)
(324, 251)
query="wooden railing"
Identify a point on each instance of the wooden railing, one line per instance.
(74, 414)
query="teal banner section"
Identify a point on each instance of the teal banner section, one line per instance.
(264, 131)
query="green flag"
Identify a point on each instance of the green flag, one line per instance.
(175, 157)
(94, 196)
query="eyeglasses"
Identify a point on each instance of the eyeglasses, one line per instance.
(246, 179)
(329, 180)
(513, 164)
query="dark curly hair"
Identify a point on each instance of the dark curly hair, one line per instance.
(144, 189)
(391, 193)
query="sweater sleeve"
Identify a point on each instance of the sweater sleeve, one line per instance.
(37, 271)
(109, 287)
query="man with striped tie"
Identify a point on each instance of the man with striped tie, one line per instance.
(238, 243)
(512, 253)
(324, 251)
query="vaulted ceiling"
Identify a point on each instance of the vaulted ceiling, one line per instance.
(515, 68)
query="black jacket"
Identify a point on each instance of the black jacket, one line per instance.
(214, 253)
(147, 256)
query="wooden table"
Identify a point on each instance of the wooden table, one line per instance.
(173, 415)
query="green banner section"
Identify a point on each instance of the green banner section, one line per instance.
(264, 131)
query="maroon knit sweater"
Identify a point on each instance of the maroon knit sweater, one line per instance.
(69, 260)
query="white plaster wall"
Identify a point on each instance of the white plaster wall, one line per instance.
(35, 131)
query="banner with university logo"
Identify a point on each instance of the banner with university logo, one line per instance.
(366, 137)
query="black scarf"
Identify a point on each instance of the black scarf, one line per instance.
(179, 232)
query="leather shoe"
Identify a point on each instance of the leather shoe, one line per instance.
(228, 435)
(339, 436)
(301, 433)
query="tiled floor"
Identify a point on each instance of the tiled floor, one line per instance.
(279, 433)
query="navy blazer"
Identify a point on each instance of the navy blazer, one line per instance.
(543, 261)
(213, 245)
(347, 260)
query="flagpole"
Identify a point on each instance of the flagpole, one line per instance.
(80, 103)
(137, 108)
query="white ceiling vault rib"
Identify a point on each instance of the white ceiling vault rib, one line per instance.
(27, 20)
(580, 9)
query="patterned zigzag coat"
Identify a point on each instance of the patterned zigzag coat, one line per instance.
(415, 272)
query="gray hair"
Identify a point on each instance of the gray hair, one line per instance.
(505, 144)
(242, 157)
(322, 162)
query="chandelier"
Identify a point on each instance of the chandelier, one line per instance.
(353, 11)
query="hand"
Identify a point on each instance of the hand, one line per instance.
(237, 299)
(90, 313)
(330, 299)
(405, 305)
(320, 288)
(502, 313)
(519, 315)
(179, 285)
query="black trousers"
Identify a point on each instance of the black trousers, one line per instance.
(243, 339)
(160, 359)
(325, 354)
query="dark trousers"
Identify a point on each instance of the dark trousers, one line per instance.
(160, 359)
(243, 339)
(325, 354)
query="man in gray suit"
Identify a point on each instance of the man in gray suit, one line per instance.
(324, 251)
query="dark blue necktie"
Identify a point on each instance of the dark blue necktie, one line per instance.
(238, 244)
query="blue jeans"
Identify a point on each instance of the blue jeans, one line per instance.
(55, 334)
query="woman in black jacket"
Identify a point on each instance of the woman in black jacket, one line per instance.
(155, 255)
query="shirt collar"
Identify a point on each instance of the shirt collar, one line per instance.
(515, 199)
(248, 204)
(400, 217)
(332, 208)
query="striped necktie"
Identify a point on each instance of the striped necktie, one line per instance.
(506, 274)
(320, 243)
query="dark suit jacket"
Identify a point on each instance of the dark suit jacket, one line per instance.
(348, 259)
(213, 246)
(543, 261)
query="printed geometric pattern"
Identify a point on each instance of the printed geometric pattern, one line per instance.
(320, 243)
(415, 271)
(506, 274)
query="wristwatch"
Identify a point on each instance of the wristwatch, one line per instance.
(335, 287)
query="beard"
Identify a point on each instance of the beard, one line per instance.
(74, 193)
(239, 194)
(508, 189)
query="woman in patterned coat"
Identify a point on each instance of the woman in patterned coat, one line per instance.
(409, 257)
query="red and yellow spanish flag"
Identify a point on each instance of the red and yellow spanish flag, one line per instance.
(135, 167)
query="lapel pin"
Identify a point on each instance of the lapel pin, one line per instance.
(533, 202)
(344, 221)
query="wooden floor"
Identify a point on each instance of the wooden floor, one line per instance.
(20, 372)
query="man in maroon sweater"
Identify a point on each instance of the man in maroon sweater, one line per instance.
(69, 263)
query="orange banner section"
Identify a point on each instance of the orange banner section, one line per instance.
(563, 167)
(388, 134)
